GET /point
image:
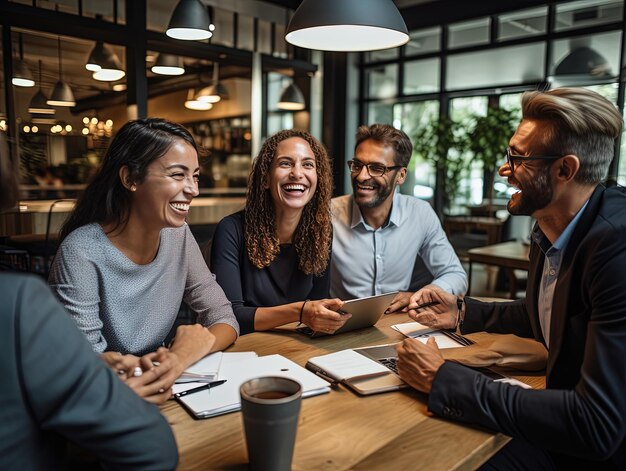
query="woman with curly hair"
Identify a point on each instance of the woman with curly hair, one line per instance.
(275, 253)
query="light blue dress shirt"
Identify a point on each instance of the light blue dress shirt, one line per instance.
(366, 262)
(551, 267)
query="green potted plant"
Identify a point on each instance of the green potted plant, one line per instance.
(443, 142)
(488, 139)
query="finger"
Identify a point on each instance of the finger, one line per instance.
(159, 398)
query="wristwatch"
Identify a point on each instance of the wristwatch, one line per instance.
(459, 317)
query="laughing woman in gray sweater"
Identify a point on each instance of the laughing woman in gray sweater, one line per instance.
(128, 259)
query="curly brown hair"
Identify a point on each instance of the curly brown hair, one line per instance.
(313, 236)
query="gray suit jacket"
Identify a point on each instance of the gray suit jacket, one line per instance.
(55, 389)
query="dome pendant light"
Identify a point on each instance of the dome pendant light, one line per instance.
(104, 64)
(38, 103)
(190, 21)
(214, 92)
(347, 25)
(22, 76)
(291, 99)
(168, 64)
(192, 103)
(62, 94)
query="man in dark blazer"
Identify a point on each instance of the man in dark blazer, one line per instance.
(56, 390)
(575, 301)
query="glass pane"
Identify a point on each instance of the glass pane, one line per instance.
(382, 82)
(223, 21)
(608, 91)
(587, 13)
(503, 66)
(522, 24)
(470, 183)
(276, 83)
(469, 33)
(245, 39)
(586, 59)
(379, 113)
(280, 46)
(264, 37)
(421, 76)
(382, 55)
(423, 41)
(410, 117)
(512, 102)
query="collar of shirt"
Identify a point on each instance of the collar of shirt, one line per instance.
(395, 217)
(561, 242)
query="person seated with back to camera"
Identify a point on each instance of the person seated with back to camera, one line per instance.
(128, 259)
(272, 258)
(55, 390)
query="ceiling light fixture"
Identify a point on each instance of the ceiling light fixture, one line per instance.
(192, 103)
(291, 99)
(214, 92)
(104, 63)
(38, 103)
(62, 94)
(190, 21)
(168, 64)
(347, 25)
(583, 65)
(22, 76)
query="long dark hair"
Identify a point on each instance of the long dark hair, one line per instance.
(313, 235)
(137, 144)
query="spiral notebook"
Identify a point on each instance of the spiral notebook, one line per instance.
(225, 397)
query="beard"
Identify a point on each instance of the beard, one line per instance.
(381, 193)
(536, 193)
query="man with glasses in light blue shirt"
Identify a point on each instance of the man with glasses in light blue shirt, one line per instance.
(384, 241)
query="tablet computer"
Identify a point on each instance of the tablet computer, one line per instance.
(365, 313)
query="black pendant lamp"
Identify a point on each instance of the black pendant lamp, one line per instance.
(104, 64)
(214, 92)
(582, 64)
(190, 21)
(62, 94)
(38, 103)
(291, 99)
(347, 25)
(22, 76)
(168, 64)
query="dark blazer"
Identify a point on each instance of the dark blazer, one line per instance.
(581, 416)
(55, 389)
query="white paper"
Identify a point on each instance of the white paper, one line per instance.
(423, 333)
(211, 364)
(225, 398)
(346, 364)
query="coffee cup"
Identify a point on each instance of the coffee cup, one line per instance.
(270, 407)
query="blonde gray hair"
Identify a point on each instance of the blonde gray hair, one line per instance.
(580, 122)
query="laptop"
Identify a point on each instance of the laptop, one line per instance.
(387, 356)
(365, 313)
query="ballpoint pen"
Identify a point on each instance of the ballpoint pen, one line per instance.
(200, 388)
(428, 304)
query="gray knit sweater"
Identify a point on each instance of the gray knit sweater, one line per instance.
(130, 308)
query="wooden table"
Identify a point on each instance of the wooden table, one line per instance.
(491, 226)
(508, 255)
(341, 430)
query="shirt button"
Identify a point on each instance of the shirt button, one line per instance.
(552, 272)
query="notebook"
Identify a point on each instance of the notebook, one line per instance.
(365, 313)
(208, 369)
(225, 398)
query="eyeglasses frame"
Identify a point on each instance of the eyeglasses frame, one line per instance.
(367, 166)
(511, 157)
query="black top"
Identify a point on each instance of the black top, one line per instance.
(248, 287)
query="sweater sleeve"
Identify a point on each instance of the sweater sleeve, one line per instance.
(227, 252)
(74, 277)
(202, 292)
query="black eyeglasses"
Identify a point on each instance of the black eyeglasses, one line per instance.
(511, 158)
(374, 170)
